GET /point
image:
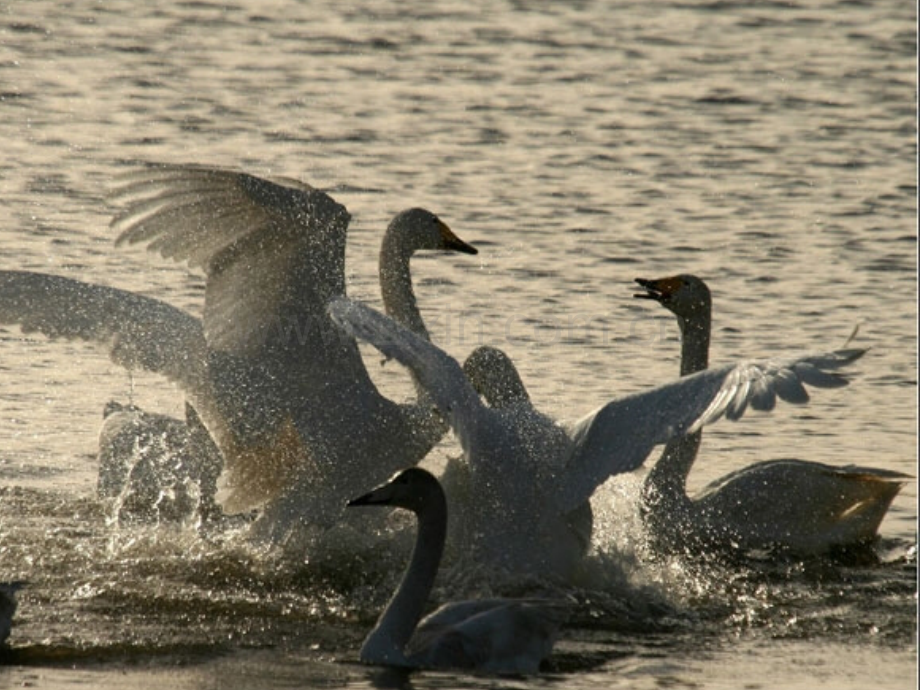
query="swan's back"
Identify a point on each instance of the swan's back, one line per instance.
(155, 467)
(804, 506)
(491, 635)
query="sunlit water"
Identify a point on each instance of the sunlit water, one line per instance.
(768, 147)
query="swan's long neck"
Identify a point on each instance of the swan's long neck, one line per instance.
(387, 642)
(667, 480)
(396, 282)
(400, 304)
(695, 334)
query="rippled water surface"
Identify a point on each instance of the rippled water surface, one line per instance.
(768, 147)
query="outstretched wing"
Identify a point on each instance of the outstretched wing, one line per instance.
(759, 383)
(138, 331)
(274, 255)
(618, 436)
(437, 372)
(273, 252)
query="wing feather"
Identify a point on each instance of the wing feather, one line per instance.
(138, 331)
(273, 251)
(439, 373)
(618, 436)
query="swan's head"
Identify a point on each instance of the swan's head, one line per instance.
(414, 489)
(417, 228)
(495, 377)
(685, 295)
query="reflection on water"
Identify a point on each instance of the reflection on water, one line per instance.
(769, 148)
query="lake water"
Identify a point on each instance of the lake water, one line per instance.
(769, 147)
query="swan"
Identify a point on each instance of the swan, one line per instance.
(490, 635)
(8, 605)
(309, 423)
(493, 375)
(528, 473)
(282, 391)
(796, 505)
(155, 468)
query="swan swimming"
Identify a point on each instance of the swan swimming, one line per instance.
(528, 474)
(491, 635)
(282, 391)
(796, 505)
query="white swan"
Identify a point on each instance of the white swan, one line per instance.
(520, 459)
(292, 407)
(494, 376)
(490, 635)
(283, 392)
(805, 507)
(528, 474)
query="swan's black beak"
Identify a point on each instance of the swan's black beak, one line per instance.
(368, 499)
(375, 497)
(659, 290)
(454, 243)
(651, 292)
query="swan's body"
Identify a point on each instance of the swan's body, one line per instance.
(282, 391)
(155, 468)
(494, 376)
(490, 635)
(528, 474)
(805, 507)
